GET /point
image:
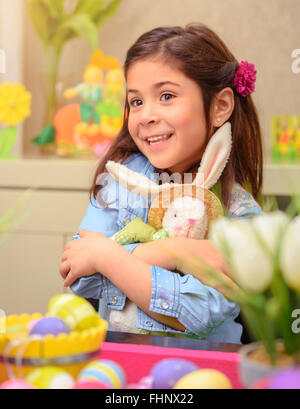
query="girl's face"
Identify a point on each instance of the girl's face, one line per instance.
(166, 119)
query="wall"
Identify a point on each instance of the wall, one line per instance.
(263, 32)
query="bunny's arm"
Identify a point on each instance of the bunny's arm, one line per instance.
(136, 231)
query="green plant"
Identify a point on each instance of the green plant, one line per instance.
(55, 28)
(263, 255)
(13, 217)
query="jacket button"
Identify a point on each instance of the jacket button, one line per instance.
(165, 305)
(126, 221)
(114, 300)
(149, 323)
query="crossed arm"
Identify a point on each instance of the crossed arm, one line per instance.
(94, 253)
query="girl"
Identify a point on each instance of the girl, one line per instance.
(182, 85)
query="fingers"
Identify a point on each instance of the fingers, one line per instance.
(64, 269)
(81, 232)
(67, 274)
(71, 277)
(68, 245)
(64, 256)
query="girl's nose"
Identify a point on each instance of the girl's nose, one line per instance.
(192, 222)
(149, 116)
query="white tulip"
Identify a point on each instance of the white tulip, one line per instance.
(290, 254)
(217, 234)
(270, 228)
(251, 267)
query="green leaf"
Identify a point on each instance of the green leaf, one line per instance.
(7, 140)
(46, 136)
(55, 8)
(82, 26)
(41, 20)
(293, 208)
(90, 7)
(107, 12)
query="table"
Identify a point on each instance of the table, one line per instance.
(170, 342)
(137, 354)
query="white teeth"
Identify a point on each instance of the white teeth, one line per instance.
(157, 139)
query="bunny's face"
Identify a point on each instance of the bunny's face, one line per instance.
(186, 217)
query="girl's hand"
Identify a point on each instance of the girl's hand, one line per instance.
(201, 259)
(83, 257)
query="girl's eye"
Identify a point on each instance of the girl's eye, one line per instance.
(135, 102)
(167, 96)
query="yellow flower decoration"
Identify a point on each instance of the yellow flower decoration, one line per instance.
(103, 61)
(15, 103)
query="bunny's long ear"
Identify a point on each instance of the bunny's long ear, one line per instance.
(133, 181)
(215, 157)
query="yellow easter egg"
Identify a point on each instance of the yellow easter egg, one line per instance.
(204, 379)
(50, 377)
(75, 311)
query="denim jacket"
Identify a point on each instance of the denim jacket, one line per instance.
(204, 311)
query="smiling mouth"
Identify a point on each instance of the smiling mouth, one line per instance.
(156, 140)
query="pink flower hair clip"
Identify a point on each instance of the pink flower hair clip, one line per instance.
(245, 77)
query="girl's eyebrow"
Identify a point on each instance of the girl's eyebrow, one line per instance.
(156, 86)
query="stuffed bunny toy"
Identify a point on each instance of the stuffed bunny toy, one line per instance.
(176, 210)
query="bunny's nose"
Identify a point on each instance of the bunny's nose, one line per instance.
(192, 222)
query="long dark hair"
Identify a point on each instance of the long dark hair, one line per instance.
(202, 56)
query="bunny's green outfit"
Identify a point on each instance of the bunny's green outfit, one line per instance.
(137, 231)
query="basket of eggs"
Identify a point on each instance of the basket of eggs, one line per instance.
(68, 337)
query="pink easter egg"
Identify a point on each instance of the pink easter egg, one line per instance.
(16, 384)
(88, 384)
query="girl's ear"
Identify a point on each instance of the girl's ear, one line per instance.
(215, 157)
(133, 181)
(222, 107)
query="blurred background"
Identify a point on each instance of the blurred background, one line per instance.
(262, 32)
(265, 33)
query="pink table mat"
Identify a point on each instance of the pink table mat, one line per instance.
(138, 360)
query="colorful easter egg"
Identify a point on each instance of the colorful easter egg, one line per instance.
(87, 384)
(16, 384)
(31, 324)
(287, 379)
(104, 371)
(15, 332)
(50, 377)
(50, 325)
(262, 383)
(168, 371)
(204, 379)
(75, 311)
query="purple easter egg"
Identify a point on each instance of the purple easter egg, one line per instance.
(287, 379)
(50, 325)
(167, 372)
